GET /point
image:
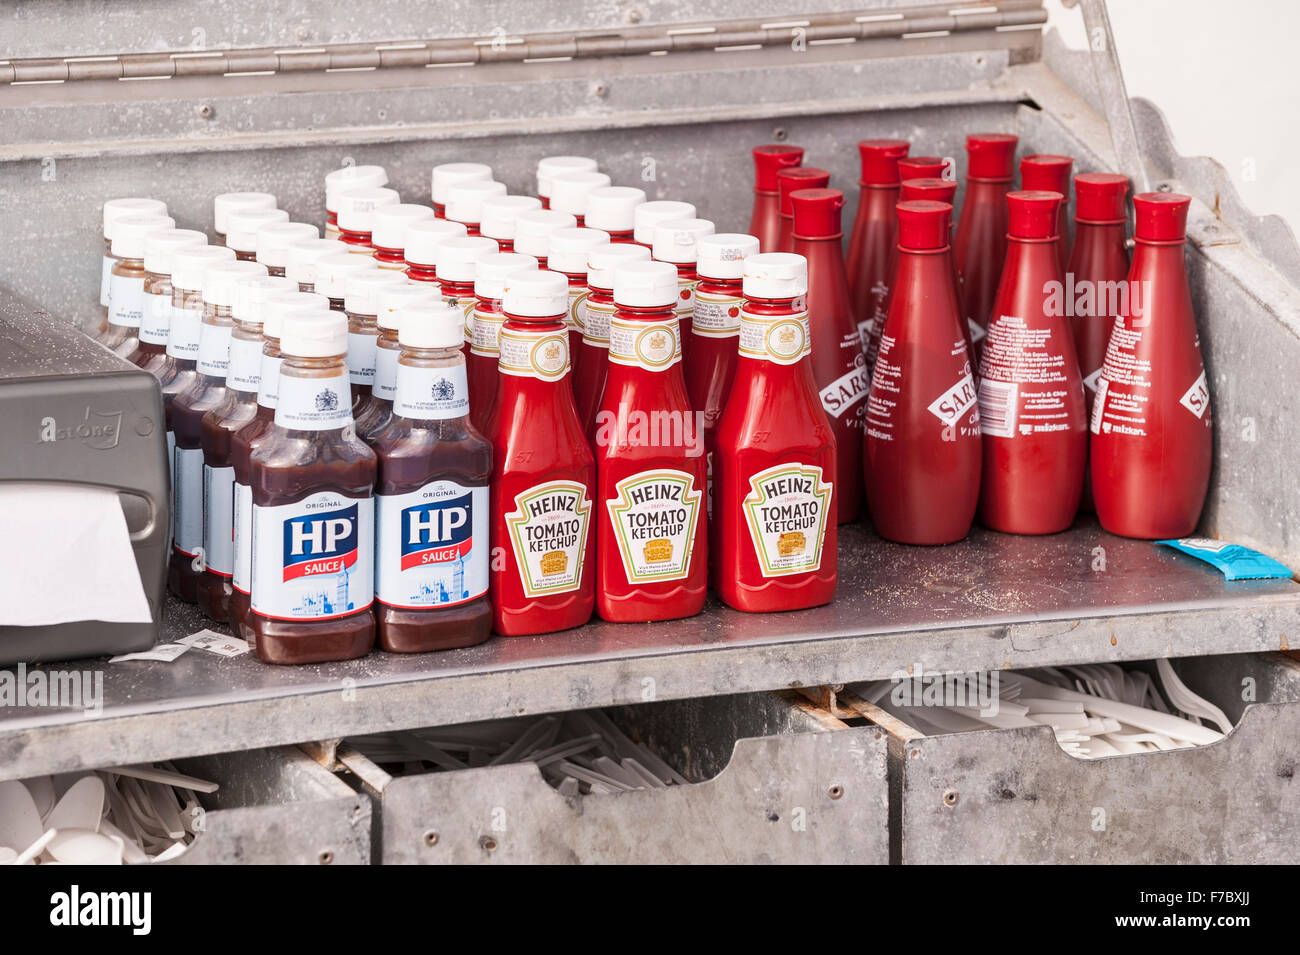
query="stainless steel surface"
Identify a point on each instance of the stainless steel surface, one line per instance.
(780, 787)
(1013, 796)
(992, 601)
(277, 807)
(1114, 95)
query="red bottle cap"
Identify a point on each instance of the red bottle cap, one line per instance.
(1032, 214)
(800, 177)
(989, 155)
(1099, 197)
(936, 190)
(924, 225)
(1160, 216)
(920, 167)
(817, 213)
(1046, 171)
(880, 160)
(769, 160)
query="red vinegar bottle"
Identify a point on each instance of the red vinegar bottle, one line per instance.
(775, 463)
(765, 221)
(941, 190)
(921, 167)
(871, 246)
(1151, 429)
(923, 444)
(838, 367)
(1095, 279)
(787, 181)
(1051, 173)
(981, 244)
(1030, 391)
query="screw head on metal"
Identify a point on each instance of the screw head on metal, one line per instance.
(836, 791)
(206, 111)
(950, 797)
(488, 844)
(430, 838)
(325, 857)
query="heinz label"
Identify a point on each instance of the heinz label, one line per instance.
(655, 515)
(548, 534)
(312, 560)
(786, 510)
(577, 308)
(595, 323)
(533, 354)
(784, 339)
(716, 316)
(219, 519)
(685, 296)
(486, 334)
(654, 346)
(431, 546)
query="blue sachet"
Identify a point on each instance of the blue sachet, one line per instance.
(1233, 561)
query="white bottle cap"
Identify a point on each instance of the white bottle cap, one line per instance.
(436, 324)
(252, 293)
(190, 263)
(222, 280)
(356, 207)
(450, 172)
(424, 238)
(396, 297)
(490, 277)
(457, 258)
(159, 248)
(228, 202)
(465, 199)
(570, 248)
(301, 258)
(604, 260)
(130, 233)
(569, 190)
(333, 270)
(613, 208)
(775, 275)
(307, 332)
(273, 241)
(552, 166)
(499, 215)
(351, 177)
(131, 206)
(391, 223)
(645, 285)
(276, 305)
(650, 214)
(361, 290)
(537, 294)
(533, 230)
(723, 256)
(242, 226)
(675, 239)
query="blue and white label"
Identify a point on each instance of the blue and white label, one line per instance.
(431, 547)
(432, 393)
(313, 559)
(214, 350)
(242, 522)
(313, 404)
(219, 519)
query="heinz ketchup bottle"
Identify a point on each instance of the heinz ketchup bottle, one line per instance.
(839, 370)
(981, 244)
(1050, 173)
(872, 244)
(543, 476)
(484, 329)
(313, 513)
(1095, 279)
(568, 251)
(597, 308)
(648, 215)
(922, 444)
(1030, 392)
(765, 221)
(1151, 428)
(651, 551)
(774, 471)
(676, 242)
(252, 434)
(787, 181)
(711, 363)
(431, 496)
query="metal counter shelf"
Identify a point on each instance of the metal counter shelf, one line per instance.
(992, 601)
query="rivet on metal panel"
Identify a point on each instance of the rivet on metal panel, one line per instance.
(430, 838)
(836, 791)
(325, 857)
(206, 111)
(914, 753)
(634, 15)
(1165, 187)
(779, 134)
(487, 844)
(600, 89)
(950, 798)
